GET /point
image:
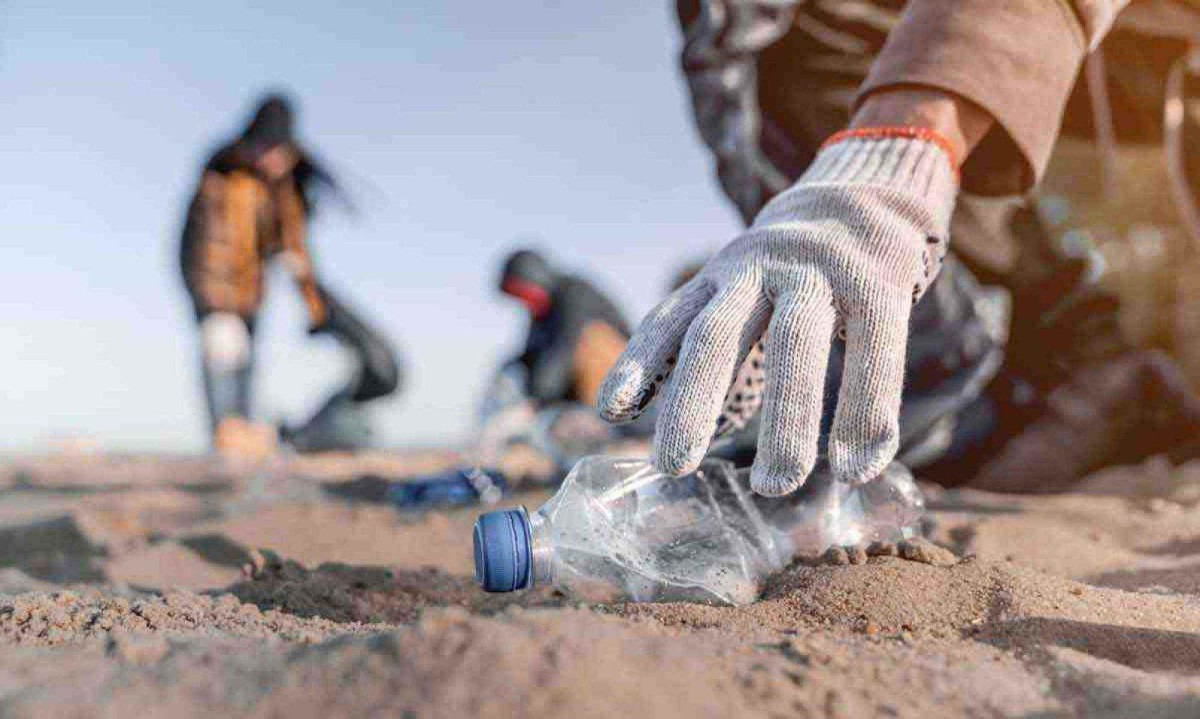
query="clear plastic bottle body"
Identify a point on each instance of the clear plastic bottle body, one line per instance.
(619, 530)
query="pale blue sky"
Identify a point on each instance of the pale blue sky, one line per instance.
(461, 126)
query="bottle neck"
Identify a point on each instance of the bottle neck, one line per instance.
(543, 555)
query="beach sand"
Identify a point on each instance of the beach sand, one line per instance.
(159, 586)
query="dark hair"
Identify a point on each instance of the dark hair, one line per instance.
(273, 124)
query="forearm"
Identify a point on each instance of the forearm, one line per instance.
(296, 256)
(962, 123)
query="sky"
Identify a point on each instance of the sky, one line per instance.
(463, 129)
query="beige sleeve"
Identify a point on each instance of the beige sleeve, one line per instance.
(1017, 59)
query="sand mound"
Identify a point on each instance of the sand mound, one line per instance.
(999, 603)
(51, 619)
(1082, 605)
(974, 637)
(539, 664)
(345, 593)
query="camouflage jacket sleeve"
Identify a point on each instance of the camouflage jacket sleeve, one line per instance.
(1017, 59)
(720, 50)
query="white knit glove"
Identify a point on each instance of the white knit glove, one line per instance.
(847, 250)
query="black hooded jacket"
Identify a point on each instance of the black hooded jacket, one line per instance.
(554, 338)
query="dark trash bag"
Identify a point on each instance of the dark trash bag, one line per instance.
(341, 422)
(378, 372)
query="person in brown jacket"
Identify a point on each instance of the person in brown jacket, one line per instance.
(852, 136)
(252, 207)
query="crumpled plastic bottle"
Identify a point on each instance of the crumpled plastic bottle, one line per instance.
(618, 530)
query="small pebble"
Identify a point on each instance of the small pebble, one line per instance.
(836, 556)
(925, 552)
(882, 549)
(856, 555)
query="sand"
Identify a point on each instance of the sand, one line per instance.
(162, 586)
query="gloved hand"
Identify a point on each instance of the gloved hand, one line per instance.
(847, 250)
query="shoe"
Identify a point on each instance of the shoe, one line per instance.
(1116, 412)
(240, 439)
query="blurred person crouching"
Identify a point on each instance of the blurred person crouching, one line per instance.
(255, 198)
(575, 331)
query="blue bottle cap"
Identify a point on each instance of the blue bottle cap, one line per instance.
(503, 553)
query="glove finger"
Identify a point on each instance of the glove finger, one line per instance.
(640, 371)
(866, 424)
(801, 334)
(719, 336)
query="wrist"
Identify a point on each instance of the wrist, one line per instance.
(960, 122)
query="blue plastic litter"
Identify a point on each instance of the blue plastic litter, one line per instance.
(454, 488)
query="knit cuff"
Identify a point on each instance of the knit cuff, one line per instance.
(913, 160)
